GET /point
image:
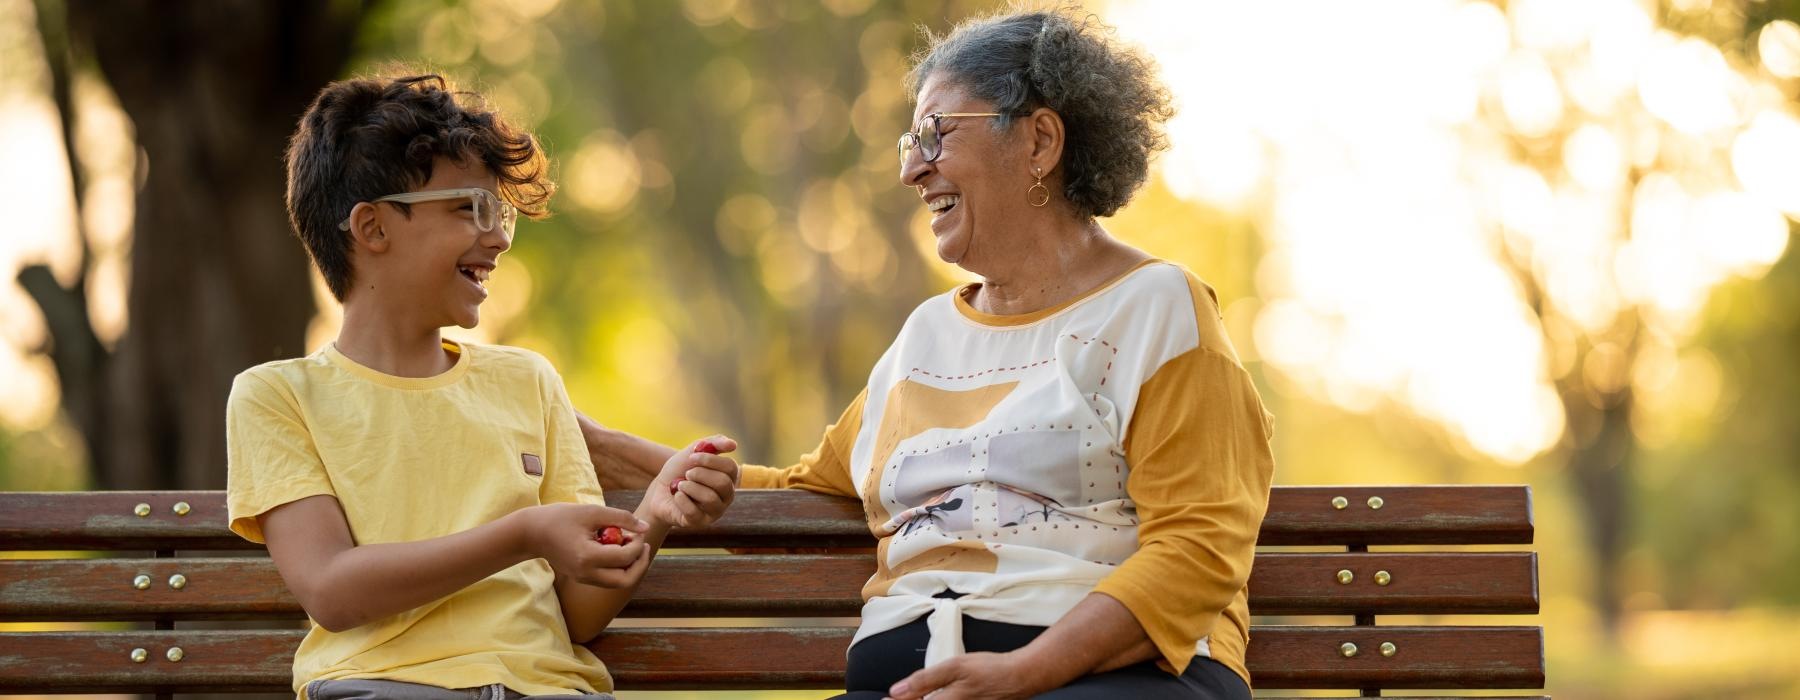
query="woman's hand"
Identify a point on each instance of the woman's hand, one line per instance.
(696, 485)
(1098, 635)
(977, 675)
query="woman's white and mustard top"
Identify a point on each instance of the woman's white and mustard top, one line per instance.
(1111, 444)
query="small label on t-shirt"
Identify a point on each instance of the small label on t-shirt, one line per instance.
(533, 465)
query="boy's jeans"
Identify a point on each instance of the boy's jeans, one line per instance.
(395, 690)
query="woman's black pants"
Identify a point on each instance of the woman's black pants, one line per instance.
(880, 661)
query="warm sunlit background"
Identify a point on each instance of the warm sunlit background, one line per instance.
(1540, 241)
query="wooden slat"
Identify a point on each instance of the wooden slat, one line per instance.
(1419, 583)
(725, 658)
(1298, 515)
(44, 590)
(763, 586)
(1304, 515)
(82, 590)
(236, 661)
(1426, 657)
(100, 662)
(715, 658)
(105, 520)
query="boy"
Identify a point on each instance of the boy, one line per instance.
(431, 503)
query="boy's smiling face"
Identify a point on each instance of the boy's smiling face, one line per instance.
(433, 266)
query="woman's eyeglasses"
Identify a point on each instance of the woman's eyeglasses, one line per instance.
(929, 138)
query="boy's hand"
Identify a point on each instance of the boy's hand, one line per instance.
(568, 536)
(696, 485)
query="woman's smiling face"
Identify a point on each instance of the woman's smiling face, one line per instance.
(967, 187)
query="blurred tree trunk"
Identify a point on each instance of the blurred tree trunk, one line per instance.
(1598, 444)
(217, 282)
(1601, 452)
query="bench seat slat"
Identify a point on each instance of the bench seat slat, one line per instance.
(50, 590)
(710, 658)
(1422, 583)
(1298, 515)
(1305, 515)
(762, 585)
(1436, 657)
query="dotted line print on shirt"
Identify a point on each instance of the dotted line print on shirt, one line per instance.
(1041, 508)
(1094, 399)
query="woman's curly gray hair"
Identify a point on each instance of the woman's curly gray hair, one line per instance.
(1112, 104)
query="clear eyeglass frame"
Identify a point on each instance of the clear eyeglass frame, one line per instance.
(489, 208)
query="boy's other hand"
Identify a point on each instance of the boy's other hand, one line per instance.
(565, 534)
(697, 485)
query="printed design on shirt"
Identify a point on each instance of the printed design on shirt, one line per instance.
(532, 464)
(1023, 509)
(961, 490)
(1101, 406)
(952, 511)
(949, 556)
(1046, 463)
(919, 478)
(913, 408)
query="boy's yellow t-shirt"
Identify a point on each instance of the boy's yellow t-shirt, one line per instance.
(413, 459)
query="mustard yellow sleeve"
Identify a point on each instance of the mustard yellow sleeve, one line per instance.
(270, 459)
(824, 470)
(1198, 446)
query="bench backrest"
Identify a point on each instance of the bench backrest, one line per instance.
(163, 558)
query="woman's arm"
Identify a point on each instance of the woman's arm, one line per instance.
(708, 491)
(624, 461)
(1106, 623)
(1201, 467)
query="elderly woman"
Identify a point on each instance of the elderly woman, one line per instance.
(1065, 464)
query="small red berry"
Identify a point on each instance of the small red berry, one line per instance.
(612, 535)
(701, 447)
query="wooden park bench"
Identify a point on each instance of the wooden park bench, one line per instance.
(145, 572)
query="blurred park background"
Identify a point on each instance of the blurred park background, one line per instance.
(1538, 241)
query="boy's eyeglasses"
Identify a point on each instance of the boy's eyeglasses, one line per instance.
(929, 138)
(489, 208)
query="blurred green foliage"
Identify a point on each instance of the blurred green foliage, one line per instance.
(731, 251)
(730, 248)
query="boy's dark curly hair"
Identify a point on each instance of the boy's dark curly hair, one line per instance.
(1112, 104)
(371, 137)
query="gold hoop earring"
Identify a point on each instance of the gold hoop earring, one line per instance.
(1038, 194)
